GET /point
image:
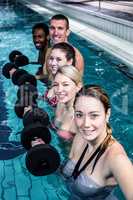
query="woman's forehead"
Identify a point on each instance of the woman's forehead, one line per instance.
(88, 102)
(62, 78)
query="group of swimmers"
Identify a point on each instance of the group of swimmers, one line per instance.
(97, 161)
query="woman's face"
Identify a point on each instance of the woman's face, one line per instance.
(90, 118)
(64, 88)
(56, 59)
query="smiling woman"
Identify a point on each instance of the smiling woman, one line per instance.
(97, 162)
(66, 84)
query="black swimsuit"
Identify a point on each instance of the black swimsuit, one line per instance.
(83, 187)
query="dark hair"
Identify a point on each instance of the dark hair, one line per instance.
(61, 17)
(42, 26)
(97, 92)
(67, 49)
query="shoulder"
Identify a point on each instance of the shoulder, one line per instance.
(121, 168)
(115, 149)
(79, 60)
(78, 54)
(117, 159)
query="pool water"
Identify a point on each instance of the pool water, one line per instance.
(100, 68)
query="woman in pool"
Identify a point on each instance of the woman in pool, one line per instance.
(61, 54)
(66, 84)
(97, 161)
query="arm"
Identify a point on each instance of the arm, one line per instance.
(77, 146)
(122, 170)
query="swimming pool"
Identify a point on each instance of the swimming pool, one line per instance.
(101, 68)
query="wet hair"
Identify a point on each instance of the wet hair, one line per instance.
(61, 17)
(67, 49)
(42, 26)
(98, 93)
(71, 72)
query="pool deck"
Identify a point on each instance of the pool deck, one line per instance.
(116, 46)
(118, 9)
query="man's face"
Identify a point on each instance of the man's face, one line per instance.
(58, 31)
(39, 38)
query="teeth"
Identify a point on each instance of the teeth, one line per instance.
(37, 44)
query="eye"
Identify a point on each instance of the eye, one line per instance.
(65, 84)
(50, 59)
(51, 28)
(94, 116)
(58, 59)
(78, 114)
(40, 36)
(60, 28)
(54, 84)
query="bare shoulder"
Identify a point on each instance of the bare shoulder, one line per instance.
(121, 168)
(117, 158)
(115, 149)
(79, 60)
(78, 53)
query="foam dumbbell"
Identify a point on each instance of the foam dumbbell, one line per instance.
(7, 68)
(41, 158)
(18, 58)
(27, 97)
(13, 55)
(36, 115)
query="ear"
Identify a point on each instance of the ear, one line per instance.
(68, 32)
(108, 115)
(69, 62)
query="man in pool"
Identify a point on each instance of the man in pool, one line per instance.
(40, 34)
(59, 32)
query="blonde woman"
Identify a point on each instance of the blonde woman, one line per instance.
(66, 84)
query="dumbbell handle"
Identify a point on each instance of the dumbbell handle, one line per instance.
(37, 141)
(34, 63)
(11, 72)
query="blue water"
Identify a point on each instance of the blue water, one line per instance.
(100, 68)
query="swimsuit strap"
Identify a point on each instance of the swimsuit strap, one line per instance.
(76, 171)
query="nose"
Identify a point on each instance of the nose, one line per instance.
(53, 62)
(55, 31)
(60, 88)
(36, 39)
(87, 121)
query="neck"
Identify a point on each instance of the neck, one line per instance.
(69, 104)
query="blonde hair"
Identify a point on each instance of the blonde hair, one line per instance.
(71, 72)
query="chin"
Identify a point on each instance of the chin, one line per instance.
(54, 72)
(89, 137)
(38, 48)
(62, 101)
